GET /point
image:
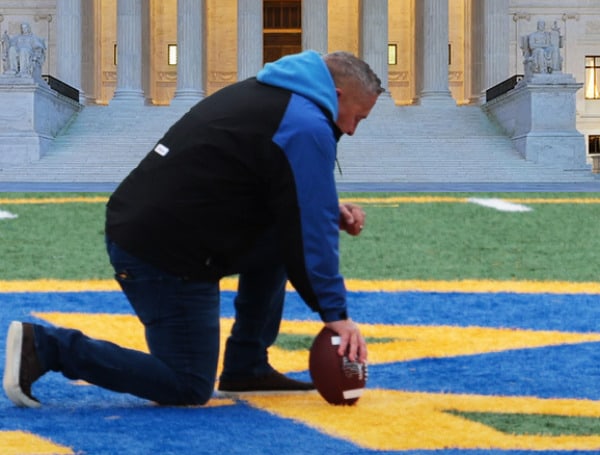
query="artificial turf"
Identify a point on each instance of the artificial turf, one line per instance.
(446, 240)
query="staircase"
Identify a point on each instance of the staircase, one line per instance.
(447, 144)
(396, 144)
(102, 144)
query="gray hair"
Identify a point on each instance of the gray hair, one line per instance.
(345, 67)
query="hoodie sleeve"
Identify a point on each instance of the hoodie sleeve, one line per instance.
(308, 142)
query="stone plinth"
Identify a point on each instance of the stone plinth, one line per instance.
(539, 116)
(31, 115)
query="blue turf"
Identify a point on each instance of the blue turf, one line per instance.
(95, 421)
(550, 372)
(564, 312)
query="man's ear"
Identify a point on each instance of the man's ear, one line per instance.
(338, 91)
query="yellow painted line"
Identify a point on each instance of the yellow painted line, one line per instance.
(390, 343)
(405, 200)
(555, 200)
(362, 200)
(58, 286)
(355, 285)
(476, 286)
(457, 200)
(23, 443)
(54, 200)
(402, 343)
(392, 420)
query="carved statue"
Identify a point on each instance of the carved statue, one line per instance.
(23, 55)
(541, 50)
(4, 45)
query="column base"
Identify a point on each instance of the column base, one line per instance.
(435, 99)
(133, 97)
(187, 97)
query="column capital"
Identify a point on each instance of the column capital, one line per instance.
(570, 16)
(520, 16)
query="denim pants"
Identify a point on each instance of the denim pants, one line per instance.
(181, 321)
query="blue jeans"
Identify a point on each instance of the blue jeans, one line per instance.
(181, 321)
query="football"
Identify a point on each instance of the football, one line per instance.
(336, 378)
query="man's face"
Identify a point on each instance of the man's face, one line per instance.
(353, 106)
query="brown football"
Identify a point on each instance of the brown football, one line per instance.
(336, 378)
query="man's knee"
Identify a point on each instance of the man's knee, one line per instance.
(200, 395)
(197, 392)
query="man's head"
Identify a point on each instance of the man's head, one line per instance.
(357, 88)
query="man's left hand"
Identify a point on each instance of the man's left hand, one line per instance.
(352, 218)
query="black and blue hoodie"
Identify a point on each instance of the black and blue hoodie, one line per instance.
(254, 158)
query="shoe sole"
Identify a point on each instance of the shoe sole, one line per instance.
(12, 367)
(249, 393)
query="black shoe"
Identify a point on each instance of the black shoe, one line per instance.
(22, 366)
(272, 382)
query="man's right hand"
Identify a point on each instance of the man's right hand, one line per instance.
(350, 336)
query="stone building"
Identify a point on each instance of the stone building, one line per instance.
(160, 52)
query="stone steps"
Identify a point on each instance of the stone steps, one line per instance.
(395, 144)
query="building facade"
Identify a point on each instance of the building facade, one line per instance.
(159, 52)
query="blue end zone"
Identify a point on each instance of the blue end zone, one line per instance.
(95, 421)
(566, 371)
(563, 312)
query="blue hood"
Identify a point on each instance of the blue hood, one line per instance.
(305, 74)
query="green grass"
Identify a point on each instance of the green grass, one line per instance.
(454, 241)
(409, 241)
(53, 241)
(303, 342)
(535, 424)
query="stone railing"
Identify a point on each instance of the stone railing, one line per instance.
(502, 87)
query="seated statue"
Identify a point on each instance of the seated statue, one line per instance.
(541, 50)
(23, 54)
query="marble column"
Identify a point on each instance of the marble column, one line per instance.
(374, 40)
(190, 51)
(434, 38)
(476, 56)
(69, 44)
(250, 38)
(496, 43)
(314, 25)
(89, 75)
(146, 50)
(129, 53)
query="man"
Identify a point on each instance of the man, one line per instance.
(241, 184)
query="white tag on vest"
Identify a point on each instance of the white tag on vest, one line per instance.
(162, 150)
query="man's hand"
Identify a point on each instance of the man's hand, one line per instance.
(352, 218)
(350, 336)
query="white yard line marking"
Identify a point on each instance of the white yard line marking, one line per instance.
(501, 205)
(4, 215)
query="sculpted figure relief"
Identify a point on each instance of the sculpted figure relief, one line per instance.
(23, 54)
(541, 50)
